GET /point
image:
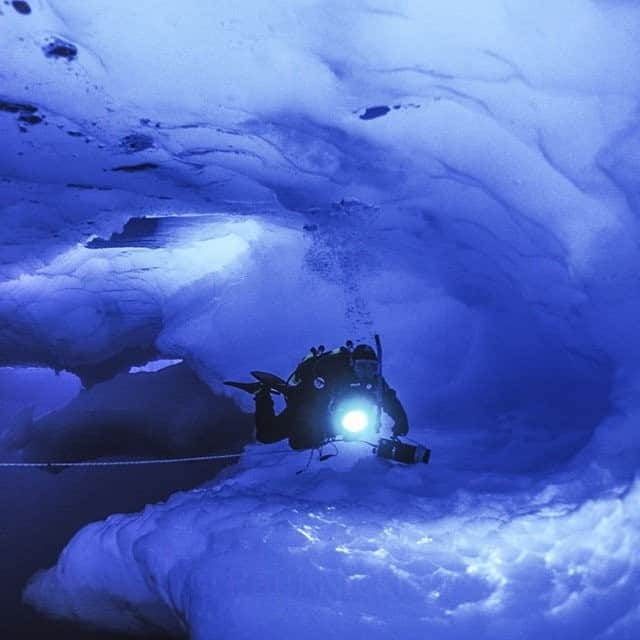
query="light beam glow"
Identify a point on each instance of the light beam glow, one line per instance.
(355, 421)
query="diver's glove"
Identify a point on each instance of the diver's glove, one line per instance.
(400, 428)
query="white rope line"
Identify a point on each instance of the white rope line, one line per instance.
(129, 463)
(126, 463)
(118, 463)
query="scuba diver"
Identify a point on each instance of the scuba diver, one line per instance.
(322, 389)
(331, 394)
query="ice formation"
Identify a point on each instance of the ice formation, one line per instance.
(359, 547)
(226, 185)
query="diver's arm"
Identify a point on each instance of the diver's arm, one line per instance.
(394, 409)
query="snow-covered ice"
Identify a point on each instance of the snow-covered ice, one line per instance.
(354, 546)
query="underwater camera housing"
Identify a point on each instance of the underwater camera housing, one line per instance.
(393, 449)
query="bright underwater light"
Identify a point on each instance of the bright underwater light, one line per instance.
(355, 421)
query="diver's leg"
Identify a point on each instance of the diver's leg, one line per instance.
(269, 426)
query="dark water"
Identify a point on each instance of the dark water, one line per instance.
(41, 512)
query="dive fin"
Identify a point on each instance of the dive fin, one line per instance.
(249, 387)
(271, 380)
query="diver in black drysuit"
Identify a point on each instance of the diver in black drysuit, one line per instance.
(313, 386)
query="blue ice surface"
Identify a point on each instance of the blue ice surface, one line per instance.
(227, 186)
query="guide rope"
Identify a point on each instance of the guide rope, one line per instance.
(129, 463)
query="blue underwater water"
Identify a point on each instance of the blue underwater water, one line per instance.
(191, 191)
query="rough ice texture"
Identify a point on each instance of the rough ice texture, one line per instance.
(358, 547)
(230, 184)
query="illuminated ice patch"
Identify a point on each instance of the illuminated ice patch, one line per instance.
(154, 365)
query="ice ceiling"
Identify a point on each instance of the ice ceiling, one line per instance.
(226, 184)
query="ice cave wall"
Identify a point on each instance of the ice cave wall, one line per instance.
(460, 179)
